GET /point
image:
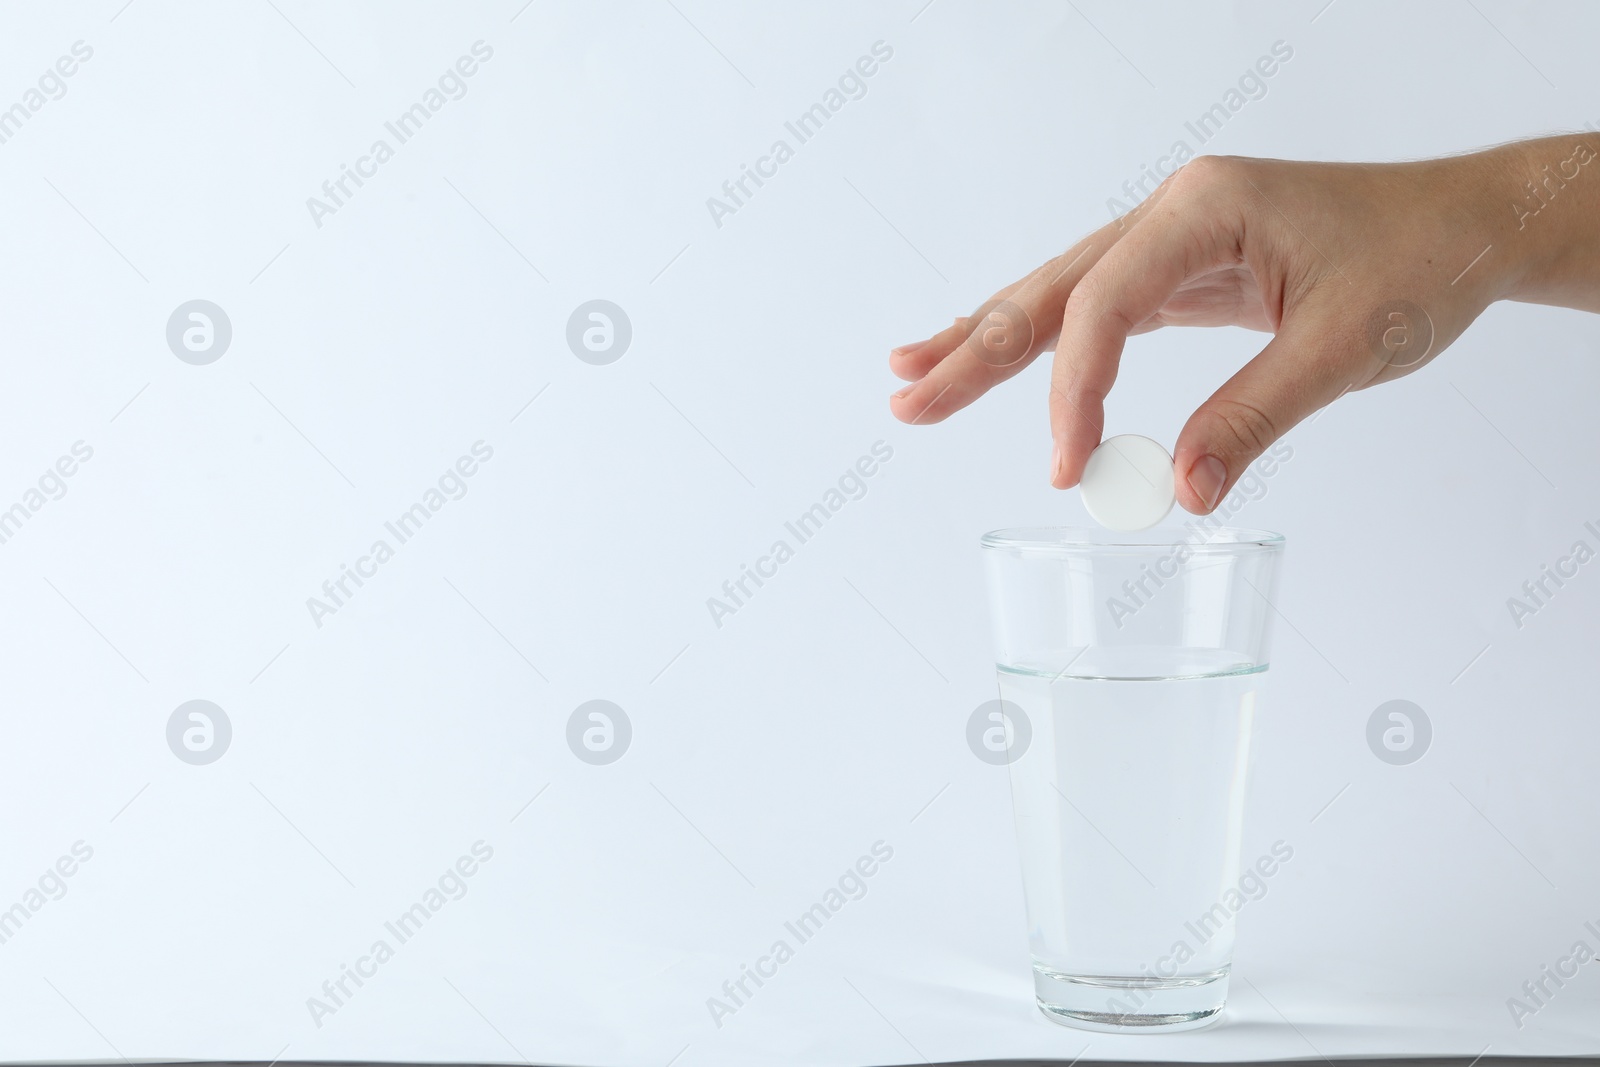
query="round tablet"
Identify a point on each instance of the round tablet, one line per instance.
(1128, 483)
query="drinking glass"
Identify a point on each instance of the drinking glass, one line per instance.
(1129, 669)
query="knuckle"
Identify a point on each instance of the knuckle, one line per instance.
(965, 324)
(1206, 174)
(1092, 295)
(1075, 388)
(1240, 428)
(1095, 298)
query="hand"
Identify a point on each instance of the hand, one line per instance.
(1362, 272)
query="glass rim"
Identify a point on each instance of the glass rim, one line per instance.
(1075, 540)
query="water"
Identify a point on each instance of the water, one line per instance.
(1128, 802)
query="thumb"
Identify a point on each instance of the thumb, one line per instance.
(1308, 365)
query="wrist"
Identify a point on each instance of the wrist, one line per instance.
(1546, 194)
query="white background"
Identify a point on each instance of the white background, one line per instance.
(829, 712)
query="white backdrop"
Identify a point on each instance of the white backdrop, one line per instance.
(376, 340)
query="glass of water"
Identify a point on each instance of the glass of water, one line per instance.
(1129, 666)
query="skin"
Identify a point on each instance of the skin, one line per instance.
(1316, 254)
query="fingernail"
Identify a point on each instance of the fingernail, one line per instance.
(901, 395)
(1206, 478)
(1055, 463)
(906, 350)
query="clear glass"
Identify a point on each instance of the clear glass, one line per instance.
(1129, 666)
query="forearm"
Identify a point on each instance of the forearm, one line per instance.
(1551, 220)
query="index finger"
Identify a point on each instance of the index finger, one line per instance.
(1128, 286)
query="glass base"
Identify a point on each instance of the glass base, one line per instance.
(1131, 1005)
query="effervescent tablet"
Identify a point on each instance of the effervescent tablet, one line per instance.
(1128, 483)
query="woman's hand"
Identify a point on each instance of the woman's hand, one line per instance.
(1362, 272)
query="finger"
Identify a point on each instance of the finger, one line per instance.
(913, 362)
(1313, 360)
(1002, 338)
(1125, 288)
